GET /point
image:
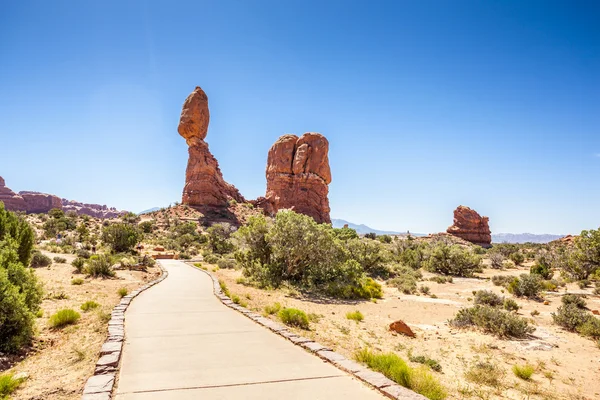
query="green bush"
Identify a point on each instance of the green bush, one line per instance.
(226, 263)
(510, 305)
(40, 260)
(100, 265)
(393, 367)
(517, 258)
(273, 309)
(8, 384)
(345, 234)
(496, 261)
(77, 281)
(121, 237)
(89, 305)
(371, 256)
(431, 363)
(502, 280)
(79, 264)
(60, 260)
(523, 371)
(20, 292)
(355, 316)
(570, 316)
(492, 320)
(526, 285)
(452, 260)
(218, 238)
(122, 292)
(405, 280)
(212, 258)
(487, 297)
(83, 253)
(543, 266)
(147, 226)
(294, 317)
(574, 299)
(590, 328)
(63, 318)
(409, 252)
(384, 239)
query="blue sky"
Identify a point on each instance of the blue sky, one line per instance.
(426, 104)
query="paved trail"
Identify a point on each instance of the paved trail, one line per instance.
(182, 343)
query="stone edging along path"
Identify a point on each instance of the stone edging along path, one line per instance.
(100, 385)
(375, 379)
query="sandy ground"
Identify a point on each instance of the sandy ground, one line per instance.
(567, 365)
(61, 360)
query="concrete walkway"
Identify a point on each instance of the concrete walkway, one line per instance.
(181, 342)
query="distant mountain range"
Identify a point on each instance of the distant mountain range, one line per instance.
(524, 237)
(363, 229)
(148, 211)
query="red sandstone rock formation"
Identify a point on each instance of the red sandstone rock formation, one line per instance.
(93, 210)
(40, 202)
(204, 183)
(297, 176)
(471, 226)
(401, 327)
(11, 200)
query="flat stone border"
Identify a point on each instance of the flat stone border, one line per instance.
(377, 380)
(100, 385)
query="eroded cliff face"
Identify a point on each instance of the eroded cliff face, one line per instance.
(471, 226)
(11, 200)
(36, 202)
(204, 183)
(298, 176)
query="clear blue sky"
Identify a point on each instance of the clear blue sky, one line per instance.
(426, 104)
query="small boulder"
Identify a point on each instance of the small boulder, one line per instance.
(401, 327)
(595, 312)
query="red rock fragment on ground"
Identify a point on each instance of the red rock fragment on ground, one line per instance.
(401, 327)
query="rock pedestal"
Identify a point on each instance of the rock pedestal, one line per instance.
(471, 226)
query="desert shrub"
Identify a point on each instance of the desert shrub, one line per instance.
(122, 292)
(226, 263)
(485, 373)
(371, 235)
(535, 313)
(212, 258)
(574, 299)
(147, 226)
(452, 259)
(405, 280)
(121, 237)
(79, 264)
(272, 309)
(430, 362)
(8, 384)
(583, 284)
(385, 239)
(517, 257)
(345, 234)
(83, 253)
(424, 289)
(586, 256)
(543, 265)
(510, 305)
(496, 260)
(395, 368)
(294, 317)
(355, 316)
(549, 286)
(441, 279)
(523, 371)
(89, 305)
(77, 281)
(526, 285)
(371, 256)
(100, 265)
(502, 280)
(492, 320)
(365, 288)
(218, 238)
(590, 328)
(40, 260)
(488, 297)
(63, 318)
(409, 252)
(570, 316)
(20, 292)
(506, 249)
(60, 260)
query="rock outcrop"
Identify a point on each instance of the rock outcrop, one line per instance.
(36, 202)
(471, 226)
(204, 183)
(11, 200)
(93, 210)
(298, 176)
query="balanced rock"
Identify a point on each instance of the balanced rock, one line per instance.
(36, 202)
(471, 226)
(298, 176)
(204, 183)
(11, 200)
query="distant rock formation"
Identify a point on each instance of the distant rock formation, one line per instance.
(36, 202)
(11, 200)
(298, 176)
(471, 226)
(93, 210)
(204, 183)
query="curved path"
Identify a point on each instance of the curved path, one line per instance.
(183, 343)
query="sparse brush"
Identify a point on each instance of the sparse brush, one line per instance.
(63, 318)
(492, 320)
(122, 292)
(502, 280)
(60, 260)
(510, 305)
(77, 281)
(430, 362)
(355, 316)
(424, 289)
(272, 309)
(395, 368)
(89, 305)
(485, 373)
(535, 313)
(523, 371)
(79, 264)
(487, 297)
(8, 384)
(294, 317)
